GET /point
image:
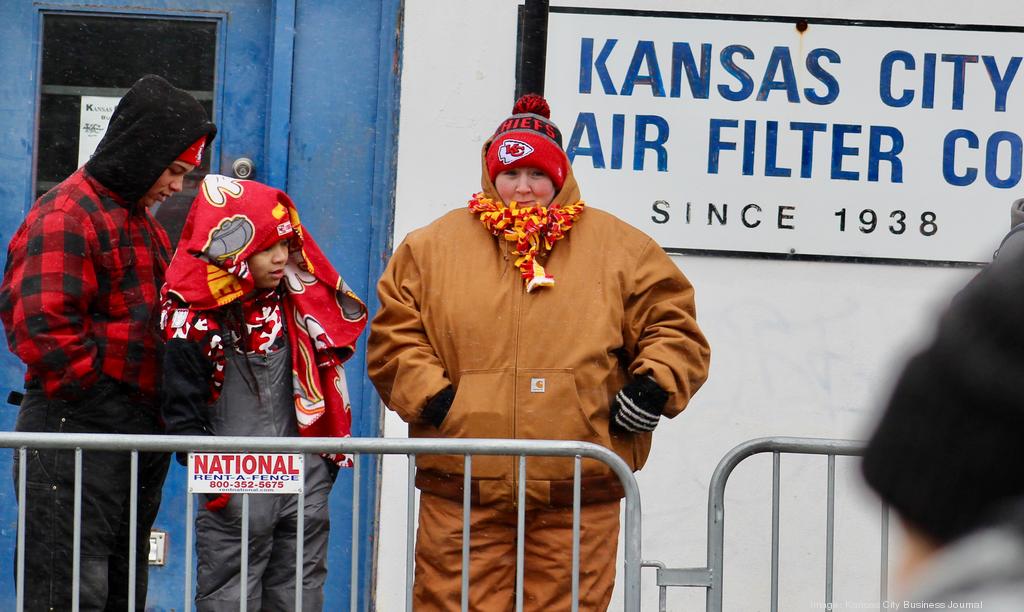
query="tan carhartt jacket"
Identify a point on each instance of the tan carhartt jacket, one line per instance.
(540, 365)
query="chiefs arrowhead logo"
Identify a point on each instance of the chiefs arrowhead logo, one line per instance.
(512, 150)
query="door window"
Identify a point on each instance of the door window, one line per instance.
(89, 61)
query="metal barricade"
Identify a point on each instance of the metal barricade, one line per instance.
(711, 577)
(350, 446)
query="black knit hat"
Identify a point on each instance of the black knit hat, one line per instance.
(948, 453)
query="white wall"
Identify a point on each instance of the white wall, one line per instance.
(798, 348)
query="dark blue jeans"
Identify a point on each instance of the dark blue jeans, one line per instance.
(49, 510)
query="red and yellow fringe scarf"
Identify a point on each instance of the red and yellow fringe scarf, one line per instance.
(530, 229)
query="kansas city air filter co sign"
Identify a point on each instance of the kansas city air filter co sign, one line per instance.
(775, 136)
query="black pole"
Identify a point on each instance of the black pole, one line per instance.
(532, 47)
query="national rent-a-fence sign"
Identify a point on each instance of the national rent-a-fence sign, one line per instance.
(774, 136)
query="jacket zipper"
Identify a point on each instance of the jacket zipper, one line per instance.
(519, 292)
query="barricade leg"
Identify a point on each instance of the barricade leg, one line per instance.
(133, 518)
(20, 561)
(244, 568)
(410, 529)
(576, 494)
(354, 579)
(466, 534)
(189, 524)
(300, 549)
(521, 534)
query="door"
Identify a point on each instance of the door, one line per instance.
(275, 95)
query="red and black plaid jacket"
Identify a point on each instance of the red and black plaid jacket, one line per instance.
(80, 294)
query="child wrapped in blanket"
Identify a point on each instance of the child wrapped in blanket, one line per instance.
(257, 325)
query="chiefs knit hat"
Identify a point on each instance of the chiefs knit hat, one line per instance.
(528, 139)
(947, 453)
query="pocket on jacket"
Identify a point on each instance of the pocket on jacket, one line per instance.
(481, 406)
(118, 266)
(480, 409)
(550, 407)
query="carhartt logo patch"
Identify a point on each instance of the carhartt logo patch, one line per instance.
(512, 150)
(537, 385)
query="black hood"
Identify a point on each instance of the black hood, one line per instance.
(152, 125)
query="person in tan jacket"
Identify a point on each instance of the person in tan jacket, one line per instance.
(530, 316)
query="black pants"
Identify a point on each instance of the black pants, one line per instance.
(49, 510)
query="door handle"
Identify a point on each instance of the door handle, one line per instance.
(243, 168)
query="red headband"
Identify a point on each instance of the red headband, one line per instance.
(194, 154)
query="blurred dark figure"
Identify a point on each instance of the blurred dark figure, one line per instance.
(948, 453)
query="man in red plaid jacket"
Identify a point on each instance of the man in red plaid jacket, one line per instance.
(78, 302)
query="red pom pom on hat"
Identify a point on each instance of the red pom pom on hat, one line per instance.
(528, 139)
(532, 103)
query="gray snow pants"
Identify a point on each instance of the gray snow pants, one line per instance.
(256, 400)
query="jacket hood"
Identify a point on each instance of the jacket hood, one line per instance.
(568, 194)
(152, 125)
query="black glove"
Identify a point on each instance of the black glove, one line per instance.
(637, 407)
(438, 406)
(332, 468)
